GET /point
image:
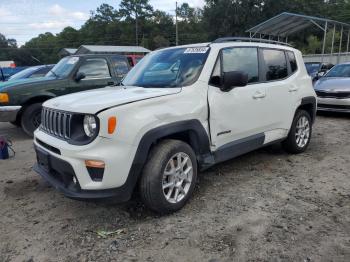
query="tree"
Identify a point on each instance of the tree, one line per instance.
(105, 13)
(110, 25)
(135, 9)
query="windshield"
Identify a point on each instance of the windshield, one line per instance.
(168, 68)
(312, 67)
(64, 67)
(23, 74)
(339, 71)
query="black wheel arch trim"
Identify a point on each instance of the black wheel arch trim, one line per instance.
(310, 100)
(198, 136)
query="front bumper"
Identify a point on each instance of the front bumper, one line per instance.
(60, 174)
(333, 104)
(9, 113)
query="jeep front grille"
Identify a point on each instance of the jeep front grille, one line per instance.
(56, 123)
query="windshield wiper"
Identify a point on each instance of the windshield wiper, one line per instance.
(54, 73)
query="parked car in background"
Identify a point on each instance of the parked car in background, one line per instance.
(317, 69)
(333, 89)
(2, 77)
(8, 63)
(7, 69)
(7, 72)
(20, 100)
(209, 103)
(134, 59)
(32, 72)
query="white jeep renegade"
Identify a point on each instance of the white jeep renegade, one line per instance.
(179, 110)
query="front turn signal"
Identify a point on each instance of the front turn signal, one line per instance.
(94, 163)
(112, 124)
(4, 98)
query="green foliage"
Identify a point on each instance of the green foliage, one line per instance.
(109, 25)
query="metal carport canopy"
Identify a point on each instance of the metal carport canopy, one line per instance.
(286, 24)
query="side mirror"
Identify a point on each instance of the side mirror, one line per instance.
(234, 79)
(79, 76)
(321, 73)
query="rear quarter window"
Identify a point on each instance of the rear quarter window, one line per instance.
(292, 61)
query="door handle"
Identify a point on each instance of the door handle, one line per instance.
(259, 94)
(111, 83)
(293, 89)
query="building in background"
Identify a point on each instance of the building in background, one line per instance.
(133, 53)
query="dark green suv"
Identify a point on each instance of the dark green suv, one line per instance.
(20, 101)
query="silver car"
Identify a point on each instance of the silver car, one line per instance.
(333, 89)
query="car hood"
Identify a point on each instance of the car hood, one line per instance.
(29, 81)
(333, 84)
(93, 101)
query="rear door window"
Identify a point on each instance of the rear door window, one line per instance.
(275, 64)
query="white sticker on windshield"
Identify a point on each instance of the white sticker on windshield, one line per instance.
(196, 50)
(73, 60)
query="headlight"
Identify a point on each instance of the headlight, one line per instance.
(84, 129)
(90, 125)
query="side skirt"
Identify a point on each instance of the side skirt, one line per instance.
(239, 147)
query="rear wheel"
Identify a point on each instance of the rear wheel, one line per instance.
(31, 118)
(300, 133)
(169, 176)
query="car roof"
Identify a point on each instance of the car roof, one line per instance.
(236, 43)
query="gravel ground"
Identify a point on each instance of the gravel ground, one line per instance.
(263, 206)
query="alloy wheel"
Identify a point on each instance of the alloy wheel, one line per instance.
(302, 131)
(177, 177)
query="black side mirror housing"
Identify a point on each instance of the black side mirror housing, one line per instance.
(79, 76)
(233, 79)
(319, 75)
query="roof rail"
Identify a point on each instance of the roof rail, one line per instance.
(248, 39)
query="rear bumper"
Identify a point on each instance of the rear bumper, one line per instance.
(9, 113)
(60, 175)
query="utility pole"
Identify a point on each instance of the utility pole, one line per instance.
(177, 32)
(137, 33)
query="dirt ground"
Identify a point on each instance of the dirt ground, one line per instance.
(264, 206)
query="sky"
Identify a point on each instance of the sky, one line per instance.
(25, 19)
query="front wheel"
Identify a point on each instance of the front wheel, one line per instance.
(169, 176)
(300, 133)
(31, 118)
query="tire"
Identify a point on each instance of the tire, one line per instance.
(295, 143)
(31, 118)
(159, 172)
(16, 123)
